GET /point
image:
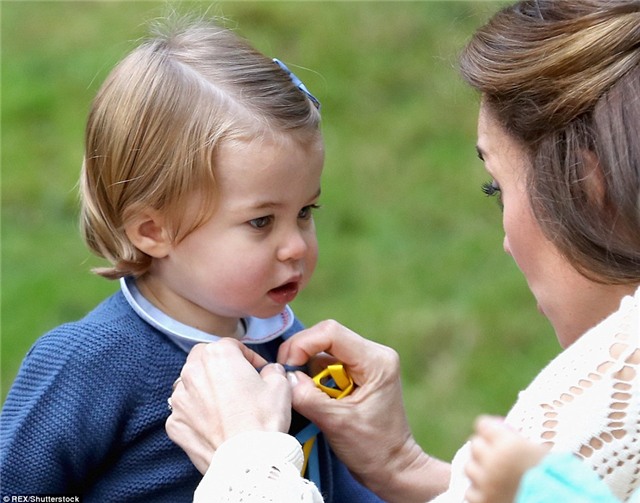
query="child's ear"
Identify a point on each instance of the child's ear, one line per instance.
(149, 234)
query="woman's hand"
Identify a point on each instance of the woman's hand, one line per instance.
(368, 429)
(220, 394)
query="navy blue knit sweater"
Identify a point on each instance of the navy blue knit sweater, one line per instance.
(85, 416)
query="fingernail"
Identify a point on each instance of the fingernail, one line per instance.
(279, 368)
(293, 378)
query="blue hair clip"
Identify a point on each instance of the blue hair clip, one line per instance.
(298, 83)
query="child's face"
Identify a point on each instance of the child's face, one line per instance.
(258, 249)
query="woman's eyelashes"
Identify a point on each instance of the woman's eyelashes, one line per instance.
(492, 189)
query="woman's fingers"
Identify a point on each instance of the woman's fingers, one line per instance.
(368, 428)
(325, 337)
(364, 359)
(220, 394)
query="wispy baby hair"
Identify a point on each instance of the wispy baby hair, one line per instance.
(157, 121)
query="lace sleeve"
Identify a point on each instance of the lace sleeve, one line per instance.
(257, 466)
(587, 401)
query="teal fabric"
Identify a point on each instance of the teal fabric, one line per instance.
(564, 478)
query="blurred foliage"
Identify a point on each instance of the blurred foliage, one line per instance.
(411, 251)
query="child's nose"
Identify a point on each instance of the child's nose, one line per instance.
(293, 247)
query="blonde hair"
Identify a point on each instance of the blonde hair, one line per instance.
(159, 118)
(563, 78)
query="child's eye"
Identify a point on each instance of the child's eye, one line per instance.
(492, 189)
(305, 213)
(260, 222)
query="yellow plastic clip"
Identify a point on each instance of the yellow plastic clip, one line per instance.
(334, 381)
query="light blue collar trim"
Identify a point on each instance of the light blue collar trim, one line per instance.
(258, 330)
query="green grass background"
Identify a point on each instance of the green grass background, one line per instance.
(411, 251)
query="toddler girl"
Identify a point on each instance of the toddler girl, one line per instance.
(201, 174)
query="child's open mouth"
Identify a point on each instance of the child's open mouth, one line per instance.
(284, 293)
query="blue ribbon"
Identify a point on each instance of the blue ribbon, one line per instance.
(297, 82)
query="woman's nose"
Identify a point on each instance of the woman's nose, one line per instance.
(505, 245)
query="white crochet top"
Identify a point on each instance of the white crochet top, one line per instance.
(586, 401)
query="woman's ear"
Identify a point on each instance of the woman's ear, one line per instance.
(149, 234)
(593, 178)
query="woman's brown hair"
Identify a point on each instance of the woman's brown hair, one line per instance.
(563, 78)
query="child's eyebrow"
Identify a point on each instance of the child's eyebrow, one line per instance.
(317, 194)
(265, 205)
(260, 205)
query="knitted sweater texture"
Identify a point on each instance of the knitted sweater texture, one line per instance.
(85, 416)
